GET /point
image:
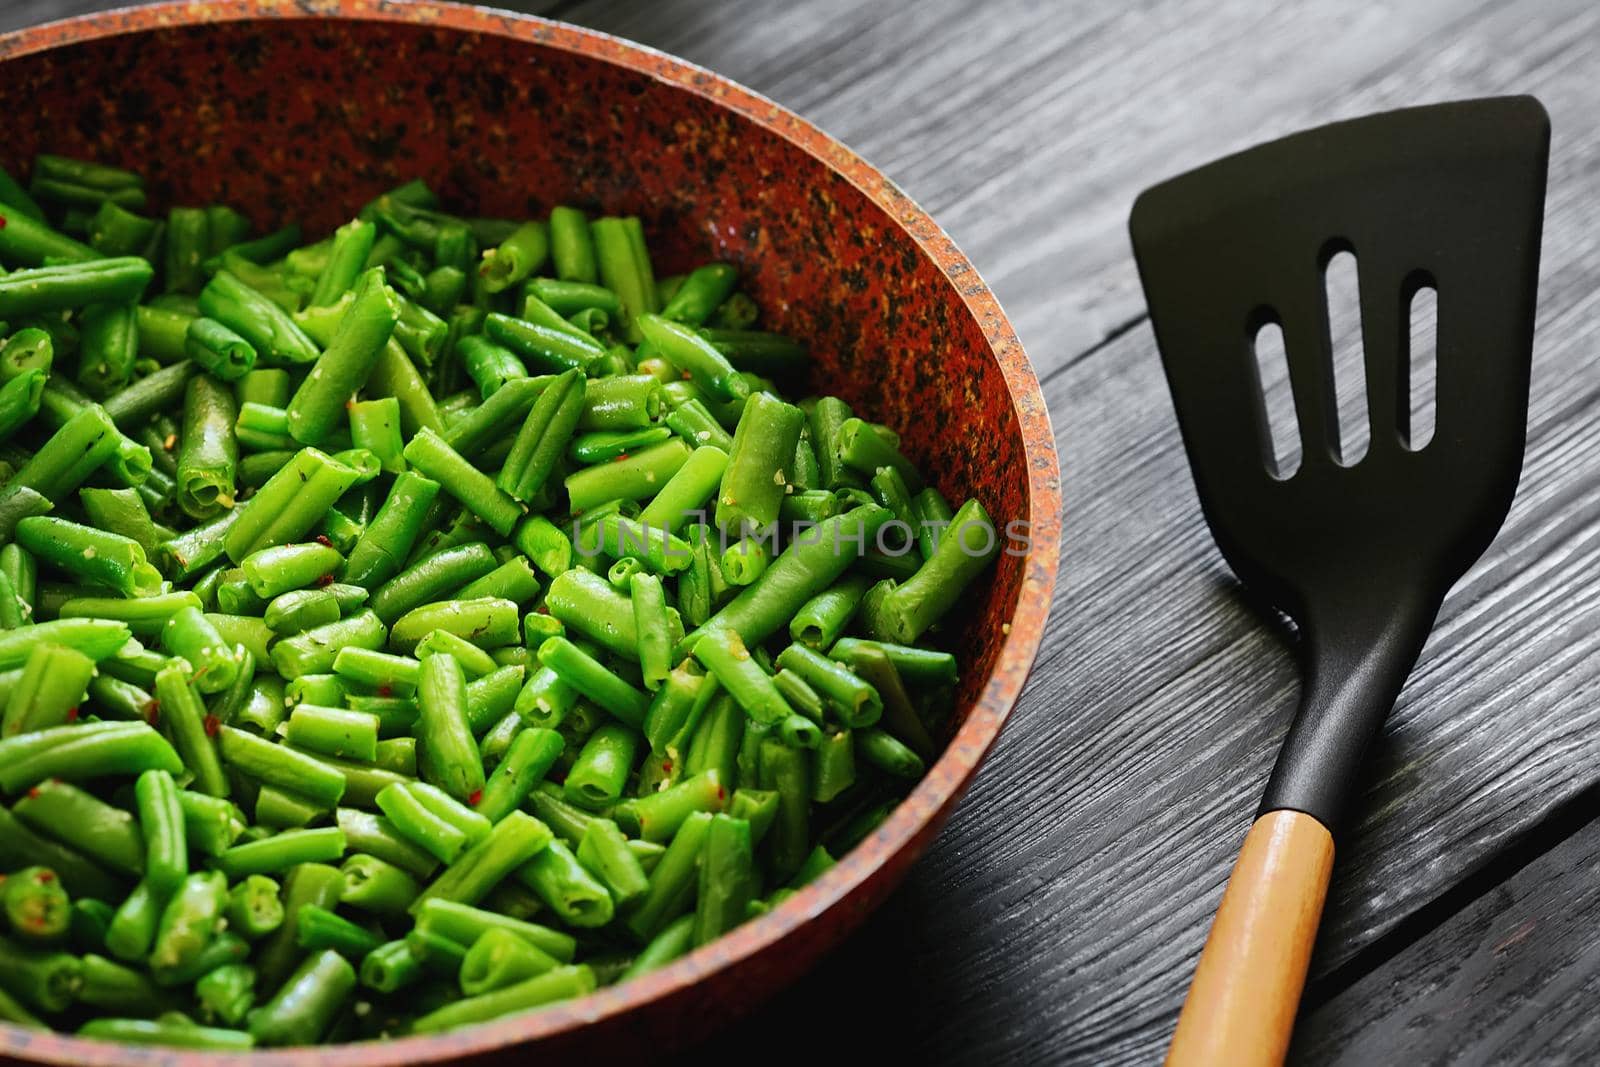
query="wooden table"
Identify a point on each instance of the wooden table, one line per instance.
(1060, 915)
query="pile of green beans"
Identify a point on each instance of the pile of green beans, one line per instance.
(425, 623)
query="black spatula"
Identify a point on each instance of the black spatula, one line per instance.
(1360, 556)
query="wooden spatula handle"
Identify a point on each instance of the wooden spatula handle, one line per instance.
(1241, 1005)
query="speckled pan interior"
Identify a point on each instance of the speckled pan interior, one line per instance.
(304, 111)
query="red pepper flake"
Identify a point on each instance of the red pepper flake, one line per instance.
(685, 375)
(46, 877)
(722, 794)
(666, 766)
(322, 539)
(2, 222)
(213, 724)
(477, 795)
(542, 610)
(152, 712)
(72, 714)
(620, 457)
(33, 794)
(386, 690)
(325, 581)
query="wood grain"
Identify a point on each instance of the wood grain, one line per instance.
(1060, 915)
(1510, 979)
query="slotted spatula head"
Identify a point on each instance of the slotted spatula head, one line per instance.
(1450, 197)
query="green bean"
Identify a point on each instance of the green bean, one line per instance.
(105, 834)
(901, 612)
(571, 246)
(727, 878)
(300, 610)
(166, 861)
(226, 994)
(691, 421)
(756, 478)
(563, 983)
(186, 722)
(304, 1008)
(785, 770)
(658, 816)
(636, 477)
(451, 759)
(378, 837)
(621, 402)
(624, 268)
(193, 915)
(111, 987)
(603, 766)
(724, 654)
(363, 331)
(702, 291)
(390, 967)
(334, 732)
(499, 958)
(543, 438)
(744, 562)
(289, 504)
(120, 511)
(431, 455)
(383, 546)
(19, 401)
(309, 884)
(552, 349)
(347, 256)
(173, 1035)
(94, 555)
(36, 906)
(284, 767)
(109, 338)
(518, 256)
(264, 325)
(187, 243)
(254, 907)
(318, 928)
(589, 677)
(84, 751)
(675, 940)
(191, 635)
(26, 239)
(376, 886)
(604, 852)
(49, 691)
(218, 350)
(487, 622)
(566, 887)
(314, 651)
(673, 882)
(210, 824)
(514, 841)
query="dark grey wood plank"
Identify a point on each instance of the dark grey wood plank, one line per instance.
(1510, 979)
(19, 13)
(1026, 128)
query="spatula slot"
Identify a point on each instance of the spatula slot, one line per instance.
(1342, 291)
(1421, 366)
(1279, 428)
